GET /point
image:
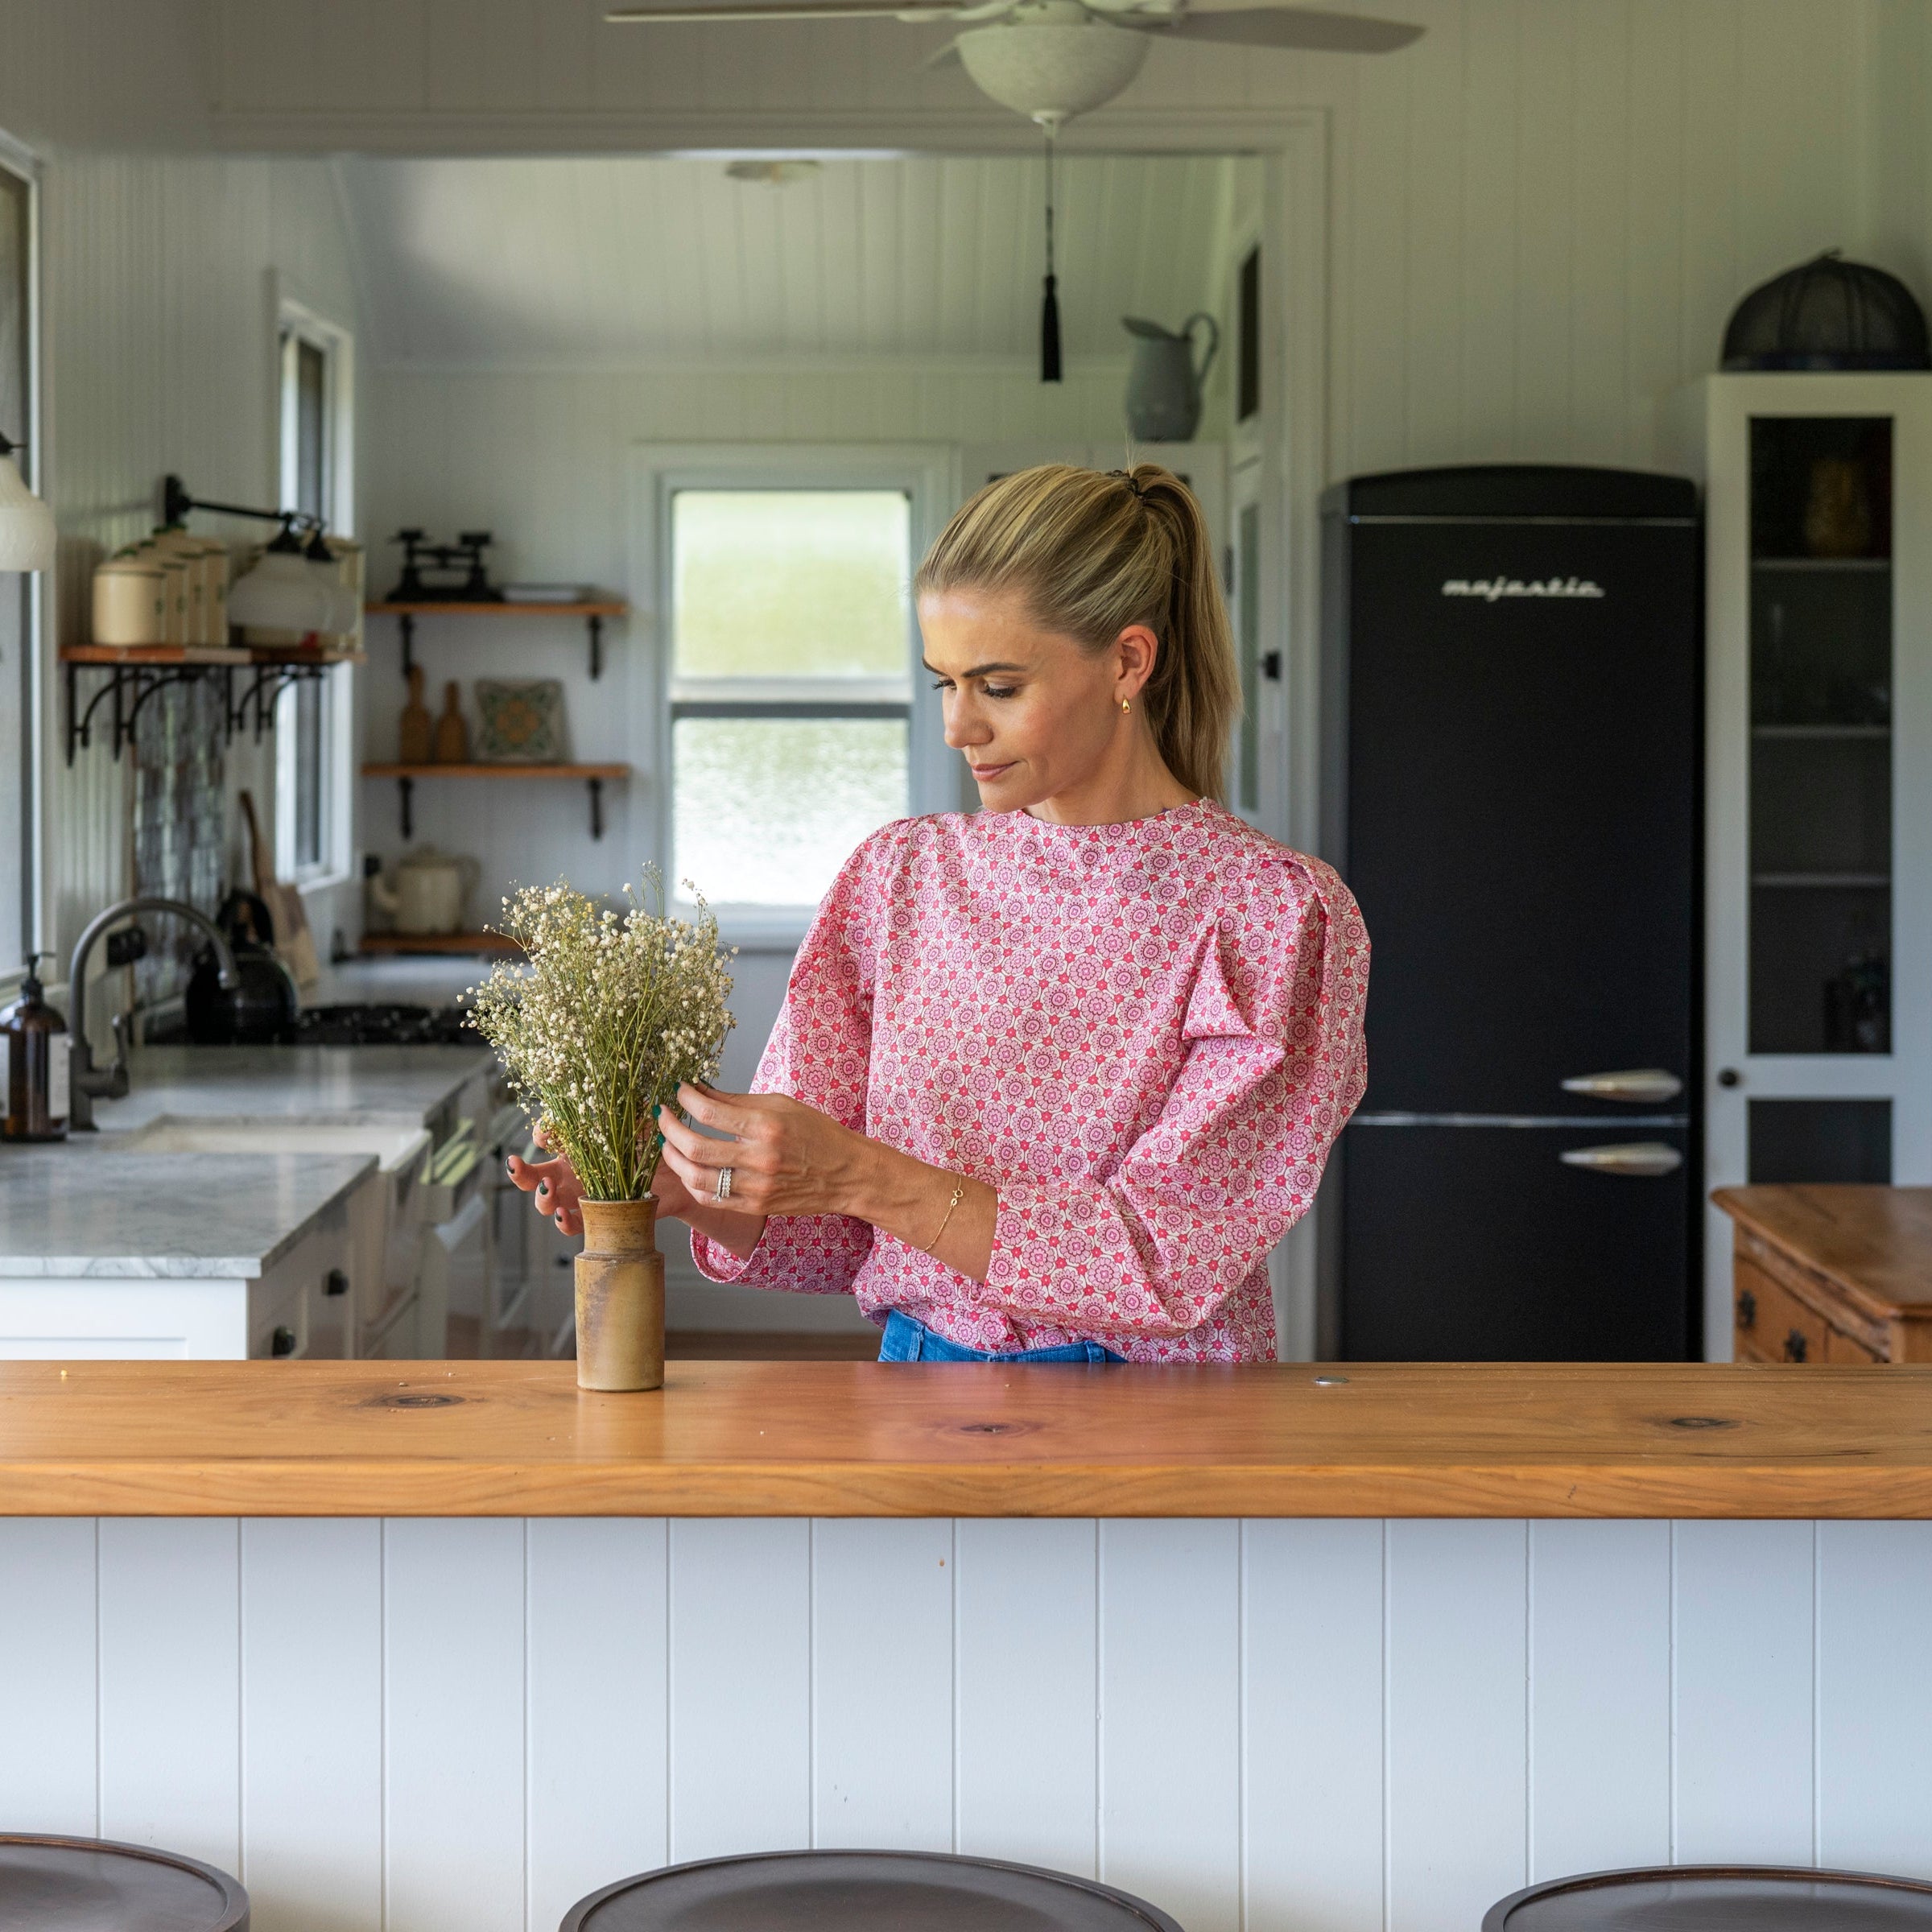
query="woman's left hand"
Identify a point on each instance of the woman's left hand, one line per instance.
(785, 1158)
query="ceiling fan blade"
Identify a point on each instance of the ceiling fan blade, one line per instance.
(1307, 28)
(786, 10)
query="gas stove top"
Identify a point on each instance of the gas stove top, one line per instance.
(360, 1026)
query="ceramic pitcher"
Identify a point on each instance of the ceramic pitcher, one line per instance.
(1163, 384)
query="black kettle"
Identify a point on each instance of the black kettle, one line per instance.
(263, 1003)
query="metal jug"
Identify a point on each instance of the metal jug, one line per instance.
(1163, 386)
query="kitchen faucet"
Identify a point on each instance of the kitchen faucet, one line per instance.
(86, 1081)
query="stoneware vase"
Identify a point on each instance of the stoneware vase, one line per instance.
(620, 1297)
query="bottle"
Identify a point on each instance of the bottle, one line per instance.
(33, 1049)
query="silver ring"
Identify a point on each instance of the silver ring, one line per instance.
(722, 1192)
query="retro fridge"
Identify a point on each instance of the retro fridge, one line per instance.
(1512, 682)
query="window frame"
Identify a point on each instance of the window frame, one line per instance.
(28, 863)
(927, 475)
(298, 319)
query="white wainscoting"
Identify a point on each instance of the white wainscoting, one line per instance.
(1335, 1727)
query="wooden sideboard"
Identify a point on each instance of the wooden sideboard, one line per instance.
(1830, 1273)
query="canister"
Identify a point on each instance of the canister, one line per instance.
(130, 601)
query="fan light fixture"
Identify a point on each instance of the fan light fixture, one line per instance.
(27, 536)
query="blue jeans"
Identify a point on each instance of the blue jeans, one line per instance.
(907, 1340)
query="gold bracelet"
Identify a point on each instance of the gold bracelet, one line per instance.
(959, 1195)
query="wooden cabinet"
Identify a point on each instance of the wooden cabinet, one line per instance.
(1817, 511)
(1830, 1273)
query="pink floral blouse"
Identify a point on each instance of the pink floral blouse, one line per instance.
(1145, 1037)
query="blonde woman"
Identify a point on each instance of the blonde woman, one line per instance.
(1052, 1078)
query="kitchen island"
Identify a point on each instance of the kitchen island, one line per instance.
(447, 1645)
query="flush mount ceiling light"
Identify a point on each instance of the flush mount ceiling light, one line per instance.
(27, 525)
(774, 174)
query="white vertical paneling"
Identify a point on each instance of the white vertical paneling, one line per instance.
(1875, 1698)
(47, 1711)
(741, 1686)
(882, 1683)
(169, 1660)
(1171, 1716)
(1028, 1690)
(453, 1613)
(1600, 1696)
(311, 1722)
(1311, 1746)
(1744, 1638)
(599, 1708)
(1456, 1721)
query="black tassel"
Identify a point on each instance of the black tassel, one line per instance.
(1049, 335)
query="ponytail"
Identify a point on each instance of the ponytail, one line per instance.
(1094, 554)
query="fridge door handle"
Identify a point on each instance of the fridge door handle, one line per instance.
(1641, 1159)
(1635, 1083)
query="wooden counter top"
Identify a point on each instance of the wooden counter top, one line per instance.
(863, 1439)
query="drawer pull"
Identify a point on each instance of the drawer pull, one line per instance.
(282, 1342)
(335, 1282)
(1747, 1309)
(1643, 1159)
(1635, 1084)
(1795, 1346)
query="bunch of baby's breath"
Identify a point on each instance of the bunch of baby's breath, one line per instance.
(611, 1010)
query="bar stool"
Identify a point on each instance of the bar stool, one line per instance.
(88, 1884)
(860, 1892)
(1717, 1898)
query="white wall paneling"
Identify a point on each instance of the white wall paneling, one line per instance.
(1345, 1726)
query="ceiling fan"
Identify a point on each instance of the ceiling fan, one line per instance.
(1051, 60)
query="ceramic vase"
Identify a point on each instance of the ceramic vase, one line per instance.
(620, 1297)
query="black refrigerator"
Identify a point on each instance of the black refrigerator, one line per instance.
(1513, 690)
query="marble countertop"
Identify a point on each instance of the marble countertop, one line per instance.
(80, 1209)
(292, 1084)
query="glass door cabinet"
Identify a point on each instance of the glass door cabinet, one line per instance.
(1819, 750)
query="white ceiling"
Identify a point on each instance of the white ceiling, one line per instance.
(500, 262)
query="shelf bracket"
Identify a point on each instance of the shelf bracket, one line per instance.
(406, 793)
(597, 806)
(596, 646)
(406, 623)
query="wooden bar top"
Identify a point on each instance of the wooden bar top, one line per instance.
(867, 1438)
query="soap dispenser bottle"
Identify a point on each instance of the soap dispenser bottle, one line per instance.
(34, 1047)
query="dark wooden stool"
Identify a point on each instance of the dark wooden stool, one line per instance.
(86, 1884)
(862, 1891)
(1718, 1898)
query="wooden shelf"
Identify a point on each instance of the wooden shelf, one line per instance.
(460, 943)
(612, 608)
(153, 653)
(593, 612)
(496, 771)
(594, 776)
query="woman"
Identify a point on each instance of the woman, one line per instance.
(1051, 1079)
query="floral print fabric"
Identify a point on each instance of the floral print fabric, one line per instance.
(1145, 1037)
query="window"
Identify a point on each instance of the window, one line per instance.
(313, 721)
(794, 723)
(19, 593)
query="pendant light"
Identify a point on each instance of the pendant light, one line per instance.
(27, 525)
(1050, 300)
(324, 567)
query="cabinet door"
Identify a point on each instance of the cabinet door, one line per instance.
(1818, 746)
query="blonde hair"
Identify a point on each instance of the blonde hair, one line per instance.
(1094, 553)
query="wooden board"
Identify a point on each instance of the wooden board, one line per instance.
(868, 1439)
(496, 771)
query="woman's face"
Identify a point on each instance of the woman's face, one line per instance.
(1036, 713)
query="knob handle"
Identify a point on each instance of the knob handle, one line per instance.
(1747, 1309)
(282, 1342)
(1795, 1345)
(335, 1282)
(1729, 1076)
